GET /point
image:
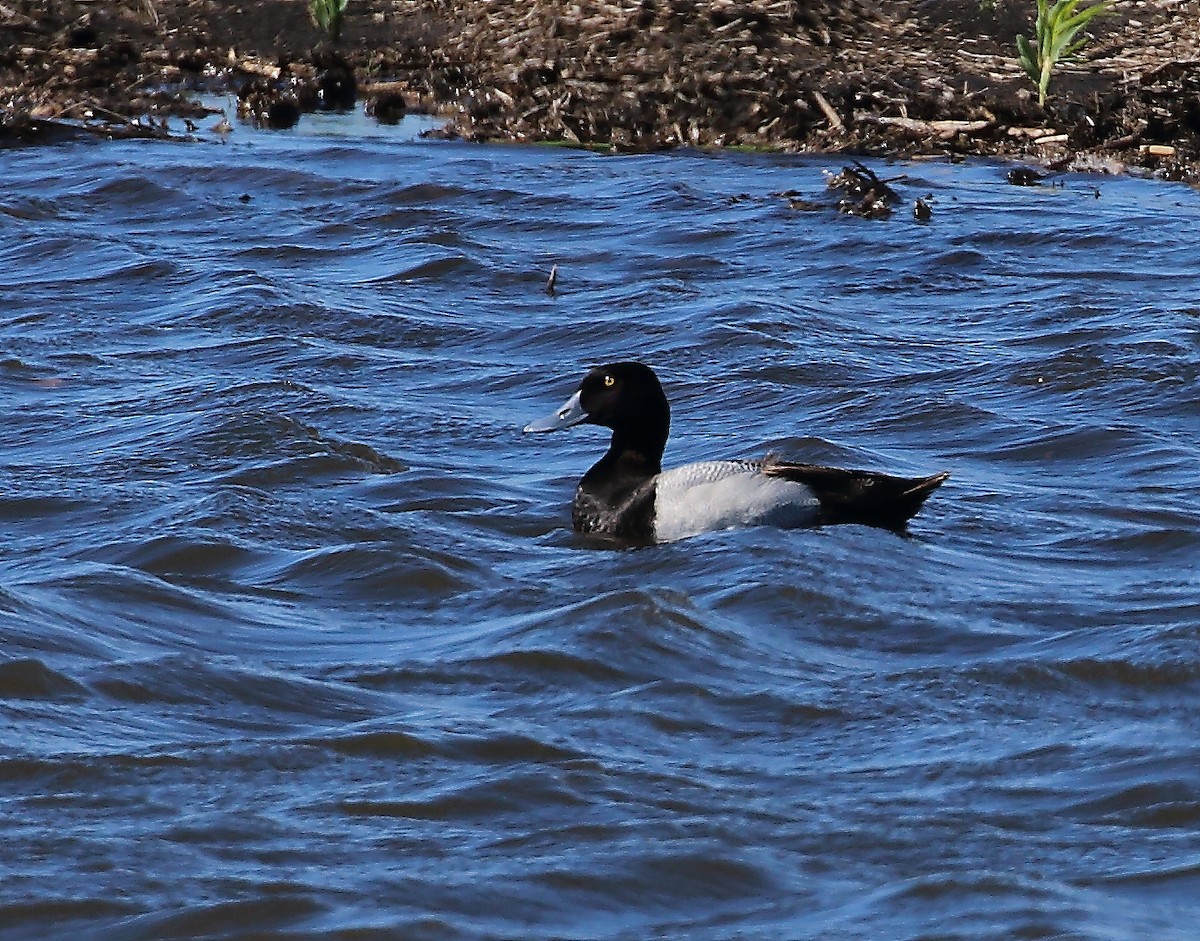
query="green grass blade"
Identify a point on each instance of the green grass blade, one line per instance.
(1026, 58)
(1083, 17)
(1068, 45)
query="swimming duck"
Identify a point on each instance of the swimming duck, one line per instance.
(627, 495)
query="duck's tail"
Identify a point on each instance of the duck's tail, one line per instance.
(856, 496)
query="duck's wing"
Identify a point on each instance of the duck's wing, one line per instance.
(856, 496)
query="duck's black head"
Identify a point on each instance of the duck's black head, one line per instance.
(626, 397)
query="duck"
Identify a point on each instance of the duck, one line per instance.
(628, 496)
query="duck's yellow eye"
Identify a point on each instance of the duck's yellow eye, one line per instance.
(609, 382)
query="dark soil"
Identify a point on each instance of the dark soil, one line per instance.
(904, 77)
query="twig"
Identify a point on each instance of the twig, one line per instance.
(95, 107)
(835, 121)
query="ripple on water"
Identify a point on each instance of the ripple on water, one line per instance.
(32, 679)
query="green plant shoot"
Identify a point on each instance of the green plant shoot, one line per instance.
(327, 16)
(1055, 31)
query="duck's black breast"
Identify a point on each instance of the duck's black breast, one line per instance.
(616, 497)
(628, 514)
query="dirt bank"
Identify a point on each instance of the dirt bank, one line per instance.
(903, 77)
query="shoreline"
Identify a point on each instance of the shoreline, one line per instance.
(903, 79)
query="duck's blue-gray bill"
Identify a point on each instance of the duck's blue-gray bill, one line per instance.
(571, 413)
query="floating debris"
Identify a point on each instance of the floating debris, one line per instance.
(1025, 176)
(553, 280)
(388, 107)
(866, 196)
(921, 211)
(264, 104)
(336, 86)
(275, 96)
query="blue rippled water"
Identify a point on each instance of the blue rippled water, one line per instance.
(296, 642)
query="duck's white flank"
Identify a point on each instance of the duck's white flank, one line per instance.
(710, 495)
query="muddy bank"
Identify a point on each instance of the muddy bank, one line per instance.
(907, 77)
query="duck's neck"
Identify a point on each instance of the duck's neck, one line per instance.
(630, 460)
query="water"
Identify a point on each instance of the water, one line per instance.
(295, 641)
